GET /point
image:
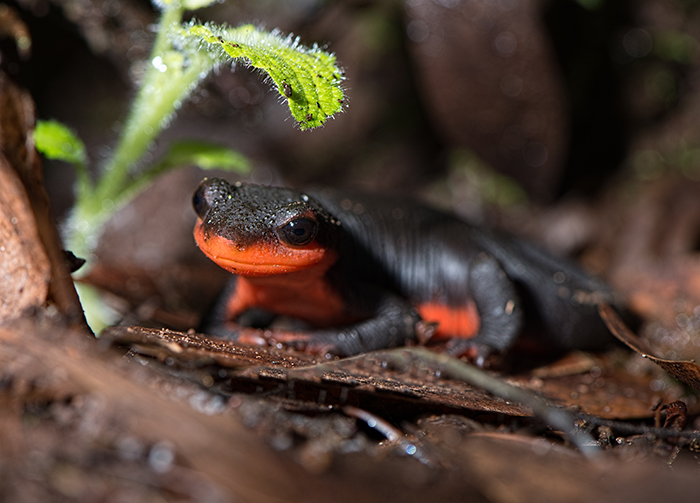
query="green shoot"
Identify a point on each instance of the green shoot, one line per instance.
(182, 56)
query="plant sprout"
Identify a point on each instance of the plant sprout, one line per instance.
(308, 79)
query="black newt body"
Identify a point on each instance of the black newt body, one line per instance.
(372, 272)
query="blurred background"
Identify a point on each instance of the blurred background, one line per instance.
(572, 122)
(555, 94)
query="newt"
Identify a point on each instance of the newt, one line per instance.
(371, 272)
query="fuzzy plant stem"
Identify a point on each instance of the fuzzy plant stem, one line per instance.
(169, 79)
(154, 104)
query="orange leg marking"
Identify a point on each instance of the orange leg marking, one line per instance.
(462, 321)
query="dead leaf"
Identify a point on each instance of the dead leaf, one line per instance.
(676, 416)
(606, 391)
(685, 371)
(21, 158)
(24, 266)
(354, 381)
(198, 350)
(478, 113)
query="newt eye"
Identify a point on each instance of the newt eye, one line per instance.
(199, 201)
(298, 232)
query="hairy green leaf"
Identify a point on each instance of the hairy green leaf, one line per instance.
(57, 141)
(308, 78)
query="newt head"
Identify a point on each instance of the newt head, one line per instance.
(252, 230)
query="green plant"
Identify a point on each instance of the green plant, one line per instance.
(182, 56)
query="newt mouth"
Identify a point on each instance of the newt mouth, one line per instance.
(253, 269)
(257, 259)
